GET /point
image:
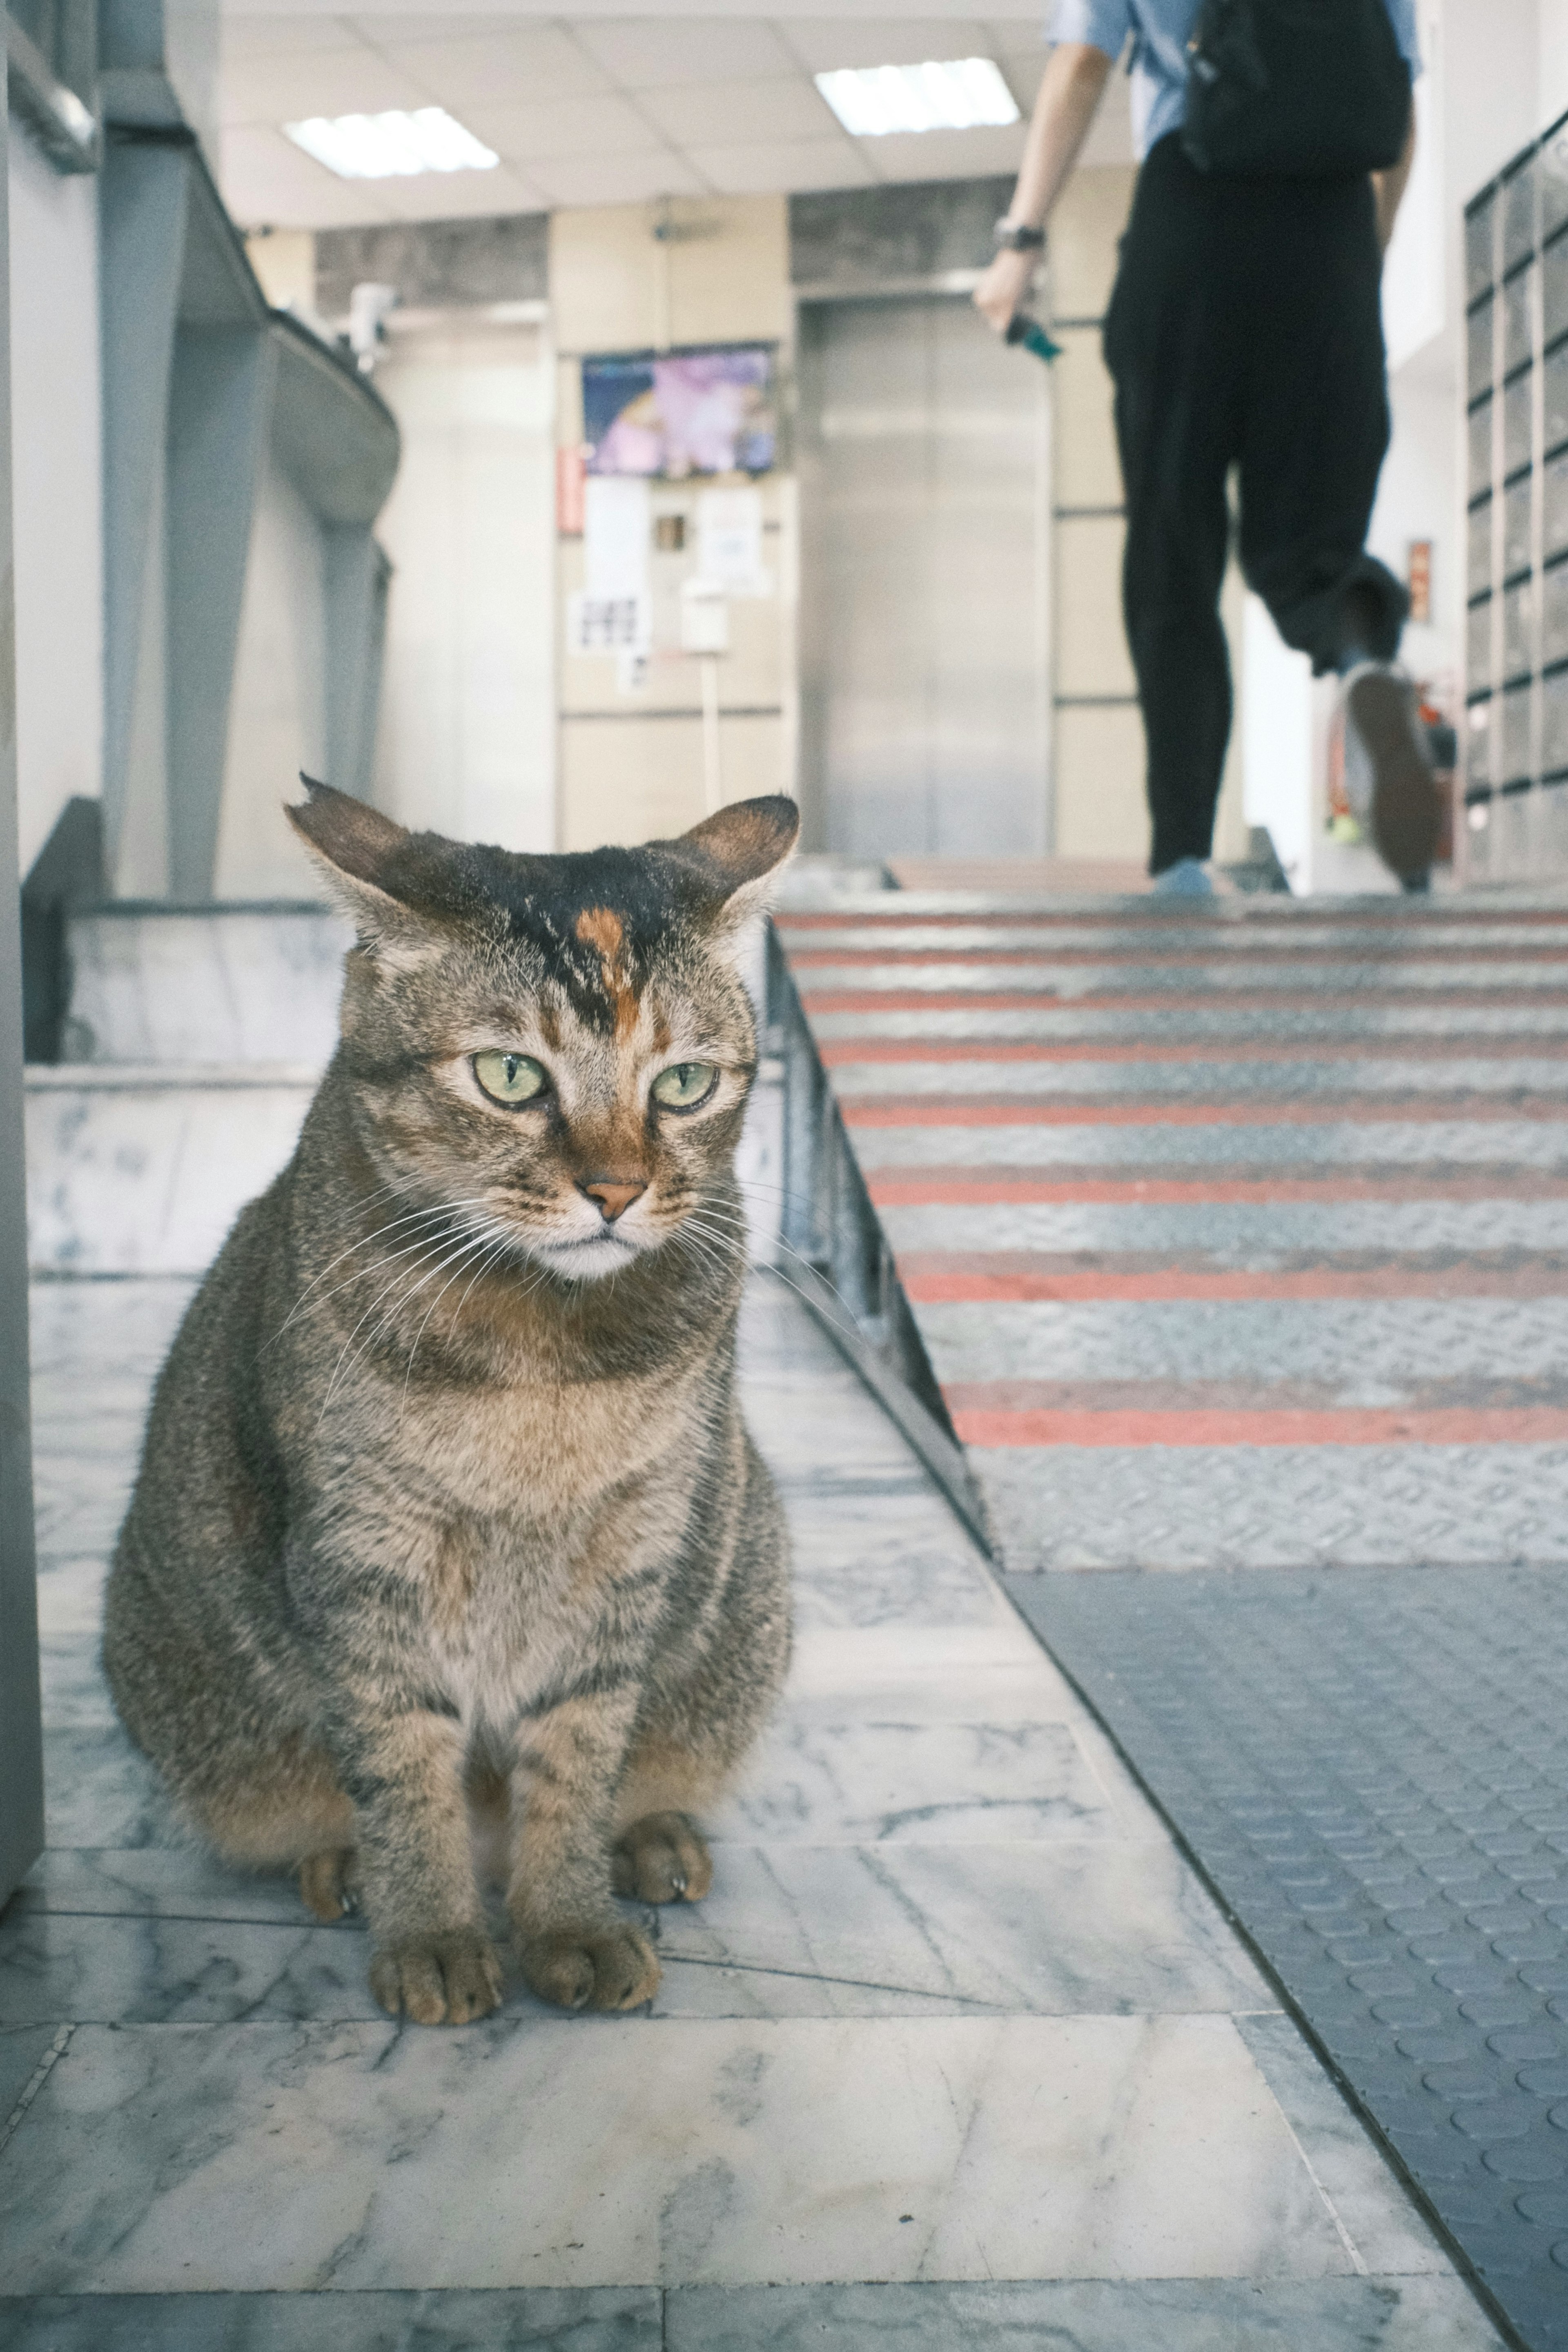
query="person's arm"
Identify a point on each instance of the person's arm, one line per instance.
(1388, 187)
(1074, 78)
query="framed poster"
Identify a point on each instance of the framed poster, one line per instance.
(667, 418)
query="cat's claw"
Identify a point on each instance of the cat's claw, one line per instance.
(327, 1882)
(592, 1968)
(447, 1980)
(663, 1858)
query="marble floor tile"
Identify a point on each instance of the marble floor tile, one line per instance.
(936, 1674)
(128, 1971)
(21, 2047)
(1359, 2314)
(1091, 1926)
(521, 2319)
(886, 1560)
(71, 1677)
(864, 1782)
(178, 1882)
(162, 1935)
(98, 1790)
(358, 2156)
(71, 1594)
(1383, 2224)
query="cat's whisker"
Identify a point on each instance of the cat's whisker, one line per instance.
(489, 1251)
(350, 1353)
(415, 1216)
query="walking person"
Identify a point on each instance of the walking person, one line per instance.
(1245, 329)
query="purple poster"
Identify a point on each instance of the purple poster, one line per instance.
(691, 413)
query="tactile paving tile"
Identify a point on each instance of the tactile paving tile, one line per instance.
(1372, 1770)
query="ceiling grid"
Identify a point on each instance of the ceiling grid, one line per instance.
(599, 111)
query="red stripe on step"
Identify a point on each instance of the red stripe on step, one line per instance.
(976, 1188)
(1160, 912)
(880, 1050)
(977, 1286)
(1453, 1425)
(1327, 1110)
(1217, 998)
(1166, 959)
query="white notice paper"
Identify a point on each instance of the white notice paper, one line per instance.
(616, 521)
(608, 625)
(730, 541)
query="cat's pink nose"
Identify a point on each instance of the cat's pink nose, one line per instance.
(613, 1195)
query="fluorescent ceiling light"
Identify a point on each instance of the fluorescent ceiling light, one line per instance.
(871, 101)
(391, 146)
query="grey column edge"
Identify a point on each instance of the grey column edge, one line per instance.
(21, 1730)
(143, 195)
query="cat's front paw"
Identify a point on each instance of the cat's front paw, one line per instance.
(443, 1980)
(609, 1967)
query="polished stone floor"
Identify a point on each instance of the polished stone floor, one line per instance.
(957, 2048)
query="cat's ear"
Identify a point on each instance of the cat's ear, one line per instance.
(369, 864)
(742, 848)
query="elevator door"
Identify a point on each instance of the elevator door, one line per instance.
(925, 508)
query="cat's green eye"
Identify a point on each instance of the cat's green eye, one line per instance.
(685, 1085)
(509, 1078)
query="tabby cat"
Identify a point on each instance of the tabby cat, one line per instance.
(446, 1500)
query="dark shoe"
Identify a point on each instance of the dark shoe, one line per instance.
(1389, 782)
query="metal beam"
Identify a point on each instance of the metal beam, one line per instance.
(69, 133)
(21, 1735)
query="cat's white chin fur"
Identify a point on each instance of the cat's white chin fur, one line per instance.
(588, 1260)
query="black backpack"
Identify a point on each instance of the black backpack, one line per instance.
(1295, 89)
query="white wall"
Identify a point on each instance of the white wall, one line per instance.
(1553, 96)
(467, 739)
(56, 502)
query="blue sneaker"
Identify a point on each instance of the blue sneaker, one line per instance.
(1187, 878)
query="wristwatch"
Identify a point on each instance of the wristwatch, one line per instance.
(1011, 236)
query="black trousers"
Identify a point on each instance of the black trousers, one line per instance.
(1244, 329)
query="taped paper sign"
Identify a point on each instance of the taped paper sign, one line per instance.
(729, 542)
(608, 625)
(616, 521)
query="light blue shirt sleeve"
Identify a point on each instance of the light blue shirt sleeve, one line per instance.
(1401, 16)
(1103, 24)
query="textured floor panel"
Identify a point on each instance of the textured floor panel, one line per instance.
(1373, 1768)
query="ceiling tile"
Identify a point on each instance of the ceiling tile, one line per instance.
(516, 64)
(386, 25)
(660, 52)
(615, 179)
(723, 113)
(1017, 36)
(461, 195)
(267, 182)
(784, 167)
(825, 45)
(944, 154)
(573, 126)
(318, 81)
(267, 37)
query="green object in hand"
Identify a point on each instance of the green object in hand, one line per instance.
(1022, 328)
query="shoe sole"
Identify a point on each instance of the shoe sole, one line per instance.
(1406, 815)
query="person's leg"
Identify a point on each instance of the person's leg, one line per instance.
(1165, 348)
(1314, 432)
(1315, 419)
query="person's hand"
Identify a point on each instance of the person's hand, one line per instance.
(1002, 289)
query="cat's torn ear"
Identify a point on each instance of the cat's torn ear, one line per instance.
(742, 848)
(368, 863)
